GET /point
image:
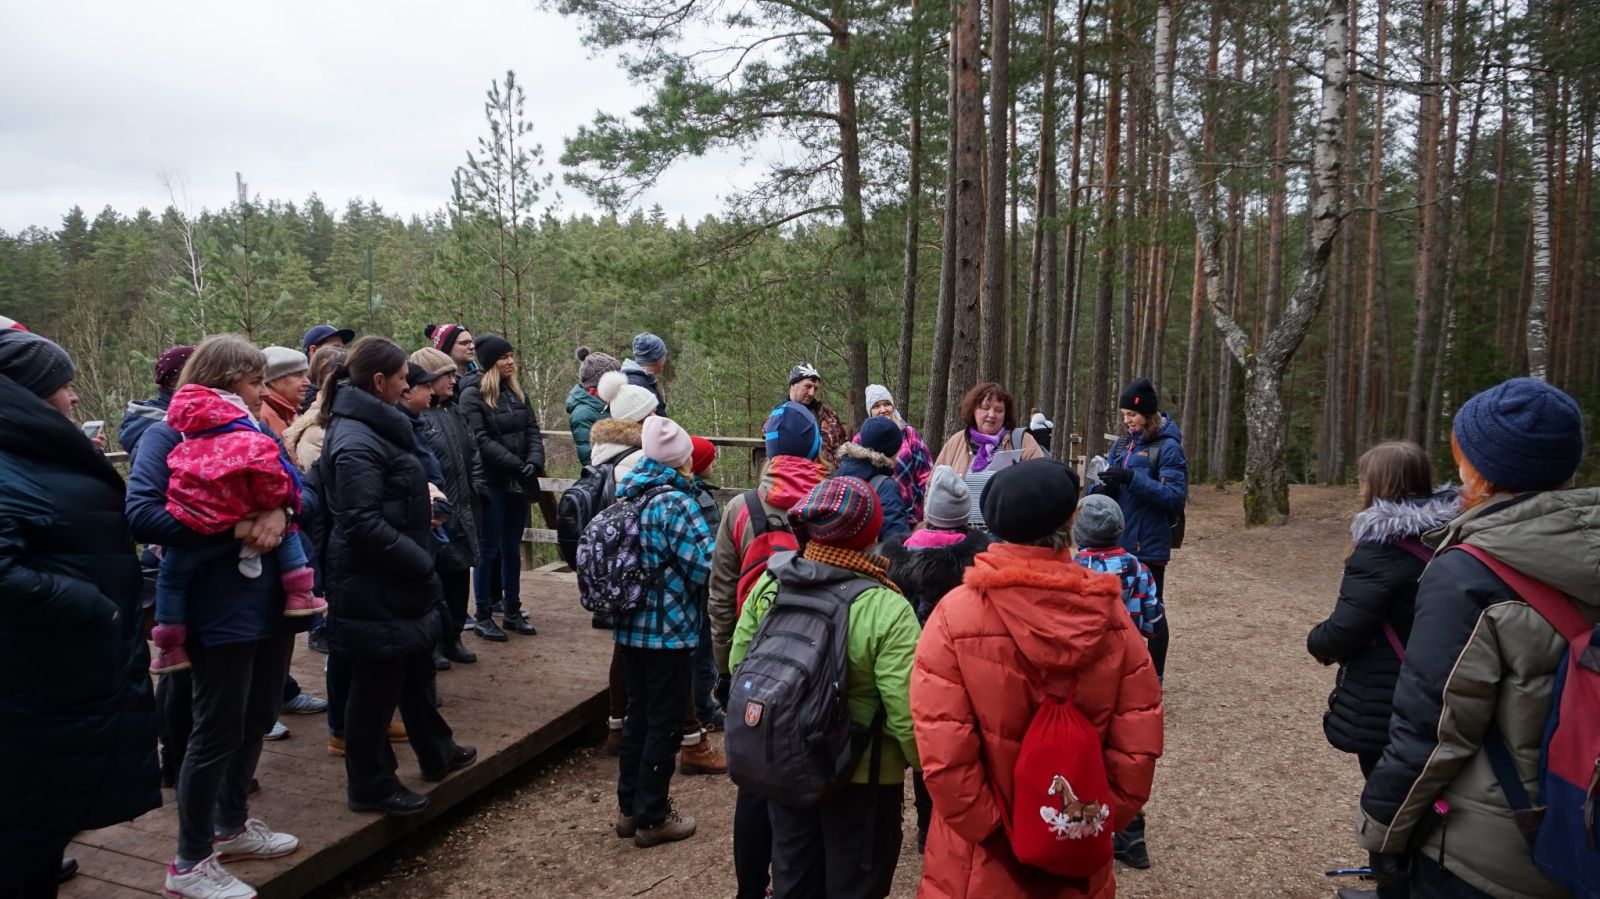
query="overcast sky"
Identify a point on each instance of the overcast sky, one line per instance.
(372, 99)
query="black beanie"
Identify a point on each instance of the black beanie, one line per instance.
(1030, 501)
(36, 363)
(1140, 397)
(490, 348)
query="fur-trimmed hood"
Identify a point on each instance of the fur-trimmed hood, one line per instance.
(1386, 521)
(858, 452)
(611, 437)
(1054, 610)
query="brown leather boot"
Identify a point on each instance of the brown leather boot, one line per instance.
(676, 827)
(701, 756)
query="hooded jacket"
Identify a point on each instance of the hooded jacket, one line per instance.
(619, 442)
(1024, 614)
(676, 541)
(452, 444)
(1480, 657)
(226, 468)
(78, 721)
(784, 481)
(927, 573)
(856, 461)
(1152, 498)
(138, 417)
(881, 645)
(638, 377)
(583, 410)
(379, 564)
(507, 434)
(1379, 586)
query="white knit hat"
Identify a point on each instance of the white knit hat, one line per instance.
(628, 402)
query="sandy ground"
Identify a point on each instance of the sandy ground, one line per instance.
(1249, 798)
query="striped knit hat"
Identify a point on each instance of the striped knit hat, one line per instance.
(842, 512)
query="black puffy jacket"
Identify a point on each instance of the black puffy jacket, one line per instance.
(508, 437)
(77, 718)
(926, 573)
(1380, 585)
(457, 452)
(380, 554)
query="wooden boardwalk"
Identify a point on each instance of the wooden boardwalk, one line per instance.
(522, 698)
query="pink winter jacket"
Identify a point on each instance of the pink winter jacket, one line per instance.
(220, 478)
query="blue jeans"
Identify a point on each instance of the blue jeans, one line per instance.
(499, 574)
(178, 567)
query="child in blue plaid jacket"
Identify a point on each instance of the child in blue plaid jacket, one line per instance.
(1096, 531)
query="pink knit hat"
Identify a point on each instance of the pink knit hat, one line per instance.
(666, 442)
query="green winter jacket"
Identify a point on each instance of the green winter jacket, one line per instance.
(882, 644)
(1479, 657)
(583, 410)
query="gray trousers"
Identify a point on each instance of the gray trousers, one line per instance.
(238, 690)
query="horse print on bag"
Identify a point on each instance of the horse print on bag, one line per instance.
(1073, 819)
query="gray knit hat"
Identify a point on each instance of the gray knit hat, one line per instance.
(592, 365)
(283, 361)
(36, 363)
(1099, 522)
(949, 500)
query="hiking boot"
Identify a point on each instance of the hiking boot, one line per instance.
(336, 746)
(397, 731)
(1128, 847)
(255, 841)
(280, 731)
(460, 757)
(453, 649)
(207, 880)
(625, 828)
(400, 803)
(517, 623)
(488, 630)
(676, 827)
(171, 655)
(700, 757)
(717, 723)
(305, 704)
(298, 601)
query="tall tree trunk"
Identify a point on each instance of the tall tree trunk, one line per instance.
(1059, 370)
(992, 361)
(1012, 362)
(1266, 495)
(1189, 417)
(1039, 318)
(1539, 207)
(908, 291)
(969, 199)
(933, 419)
(1428, 126)
(855, 223)
(1277, 200)
(1364, 397)
(1125, 237)
(1100, 360)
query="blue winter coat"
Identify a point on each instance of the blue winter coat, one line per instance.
(1153, 498)
(224, 607)
(856, 461)
(77, 718)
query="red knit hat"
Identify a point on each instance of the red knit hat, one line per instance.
(842, 512)
(704, 455)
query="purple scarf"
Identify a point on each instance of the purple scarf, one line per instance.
(986, 445)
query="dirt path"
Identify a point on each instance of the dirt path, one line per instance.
(1249, 798)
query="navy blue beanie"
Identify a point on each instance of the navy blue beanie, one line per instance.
(1522, 434)
(792, 431)
(881, 435)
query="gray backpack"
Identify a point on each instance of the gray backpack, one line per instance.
(790, 737)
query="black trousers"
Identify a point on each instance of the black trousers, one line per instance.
(658, 691)
(1430, 880)
(38, 874)
(846, 848)
(237, 691)
(923, 800)
(175, 705)
(752, 845)
(376, 689)
(1158, 641)
(457, 587)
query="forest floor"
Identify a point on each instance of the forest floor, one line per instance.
(1249, 798)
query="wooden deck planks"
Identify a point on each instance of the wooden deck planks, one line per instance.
(521, 699)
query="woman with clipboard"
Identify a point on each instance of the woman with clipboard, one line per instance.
(991, 441)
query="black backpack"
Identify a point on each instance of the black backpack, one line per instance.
(790, 737)
(588, 496)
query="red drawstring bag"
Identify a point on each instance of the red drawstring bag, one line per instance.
(1060, 817)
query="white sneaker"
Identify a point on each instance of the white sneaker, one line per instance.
(255, 841)
(280, 731)
(207, 880)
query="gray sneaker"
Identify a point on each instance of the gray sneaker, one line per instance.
(305, 704)
(280, 731)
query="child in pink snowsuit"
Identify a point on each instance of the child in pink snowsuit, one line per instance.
(226, 471)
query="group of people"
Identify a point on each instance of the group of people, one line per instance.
(985, 608)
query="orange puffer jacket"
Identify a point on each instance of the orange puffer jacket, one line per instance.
(1022, 610)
